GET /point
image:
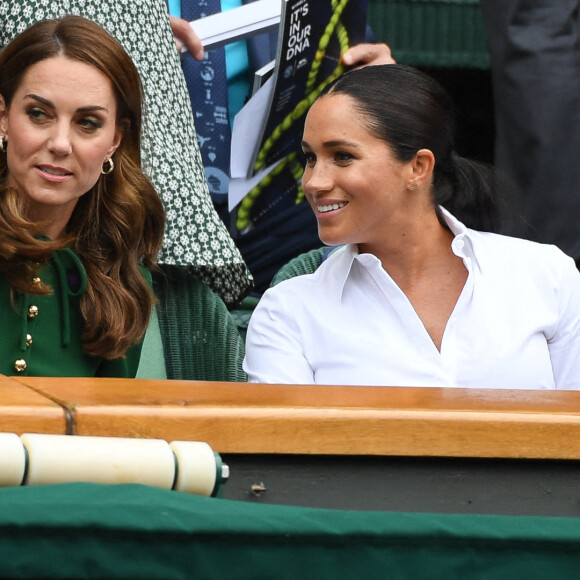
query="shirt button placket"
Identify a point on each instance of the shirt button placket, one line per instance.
(20, 364)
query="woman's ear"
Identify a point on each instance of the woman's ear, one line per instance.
(422, 166)
(119, 134)
(115, 144)
(3, 114)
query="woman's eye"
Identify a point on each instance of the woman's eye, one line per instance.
(343, 156)
(90, 123)
(310, 158)
(37, 113)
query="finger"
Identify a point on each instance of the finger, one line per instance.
(185, 35)
(368, 54)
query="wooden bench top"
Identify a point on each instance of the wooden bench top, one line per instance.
(24, 410)
(249, 418)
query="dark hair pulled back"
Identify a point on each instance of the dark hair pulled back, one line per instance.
(410, 110)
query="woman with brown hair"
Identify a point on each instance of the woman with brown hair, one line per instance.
(80, 223)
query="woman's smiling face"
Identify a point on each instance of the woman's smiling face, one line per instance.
(356, 187)
(61, 127)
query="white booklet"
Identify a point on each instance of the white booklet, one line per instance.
(224, 27)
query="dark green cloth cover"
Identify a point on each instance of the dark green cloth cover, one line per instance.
(132, 531)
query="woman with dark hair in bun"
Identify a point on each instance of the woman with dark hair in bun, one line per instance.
(421, 291)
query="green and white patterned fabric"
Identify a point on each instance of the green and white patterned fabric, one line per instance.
(195, 235)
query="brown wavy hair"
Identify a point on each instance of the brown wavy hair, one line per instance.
(118, 224)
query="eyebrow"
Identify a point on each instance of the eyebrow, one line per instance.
(48, 103)
(334, 143)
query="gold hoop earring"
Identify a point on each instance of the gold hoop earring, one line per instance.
(109, 168)
(3, 144)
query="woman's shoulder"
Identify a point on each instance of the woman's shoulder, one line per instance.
(308, 272)
(314, 289)
(518, 255)
(521, 246)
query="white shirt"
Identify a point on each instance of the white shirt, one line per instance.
(516, 324)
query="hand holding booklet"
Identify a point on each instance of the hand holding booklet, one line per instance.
(313, 34)
(224, 27)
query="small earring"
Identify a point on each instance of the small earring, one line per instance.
(3, 144)
(414, 186)
(109, 168)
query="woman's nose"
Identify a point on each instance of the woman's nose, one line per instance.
(316, 178)
(60, 142)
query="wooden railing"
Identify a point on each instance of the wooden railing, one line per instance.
(319, 420)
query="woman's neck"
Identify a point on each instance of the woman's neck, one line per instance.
(413, 249)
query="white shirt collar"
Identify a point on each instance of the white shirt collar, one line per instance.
(462, 246)
(463, 241)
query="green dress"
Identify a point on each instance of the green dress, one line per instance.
(41, 335)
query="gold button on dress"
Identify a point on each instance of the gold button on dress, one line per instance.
(20, 365)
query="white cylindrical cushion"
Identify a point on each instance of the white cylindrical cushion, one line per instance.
(66, 458)
(12, 460)
(197, 467)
